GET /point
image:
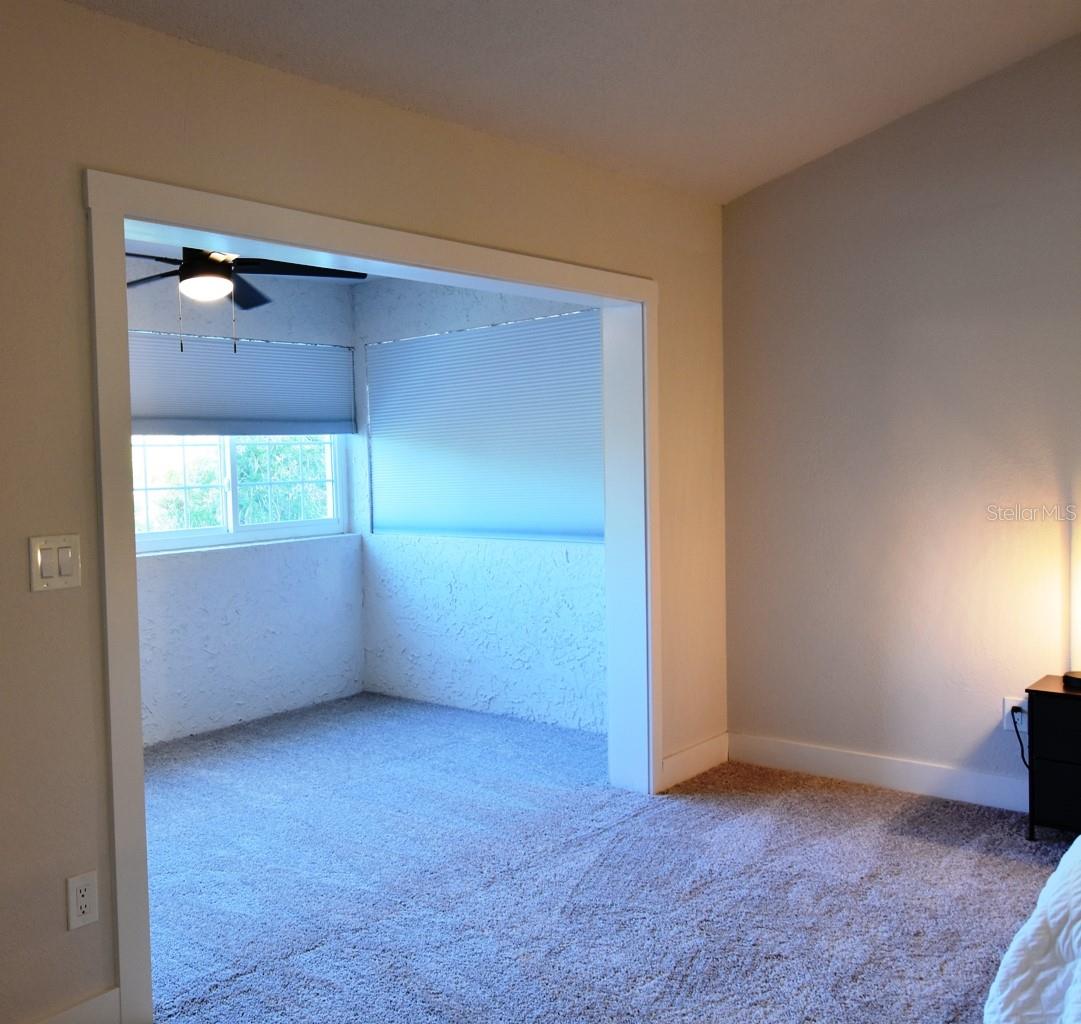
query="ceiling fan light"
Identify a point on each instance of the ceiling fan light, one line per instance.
(206, 280)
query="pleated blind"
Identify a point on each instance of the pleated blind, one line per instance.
(495, 431)
(264, 387)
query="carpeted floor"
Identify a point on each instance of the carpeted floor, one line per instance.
(374, 861)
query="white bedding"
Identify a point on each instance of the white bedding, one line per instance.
(1039, 979)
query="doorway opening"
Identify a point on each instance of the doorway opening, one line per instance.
(124, 213)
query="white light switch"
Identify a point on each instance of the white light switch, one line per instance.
(55, 562)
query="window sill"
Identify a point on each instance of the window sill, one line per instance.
(233, 545)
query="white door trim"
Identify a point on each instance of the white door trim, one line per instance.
(150, 211)
(103, 1009)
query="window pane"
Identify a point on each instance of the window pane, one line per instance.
(204, 507)
(300, 472)
(314, 462)
(138, 466)
(317, 503)
(202, 466)
(165, 466)
(284, 462)
(140, 512)
(250, 462)
(166, 509)
(285, 503)
(254, 505)
(183, 486)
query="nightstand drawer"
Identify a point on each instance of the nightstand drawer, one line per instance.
(1056, 795)
(1055, 728)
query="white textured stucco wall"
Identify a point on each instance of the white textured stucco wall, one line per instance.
(234, 633)
(241, 632)
(514, 627)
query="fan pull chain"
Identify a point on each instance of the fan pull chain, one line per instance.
(180, 318)
(233, 297)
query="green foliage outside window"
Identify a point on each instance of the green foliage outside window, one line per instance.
(182, 483)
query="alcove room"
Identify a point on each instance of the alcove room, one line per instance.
(369, 519)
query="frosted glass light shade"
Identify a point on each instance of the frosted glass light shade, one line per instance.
(206, 287)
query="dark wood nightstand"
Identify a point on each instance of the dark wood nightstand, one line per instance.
(1054, 755)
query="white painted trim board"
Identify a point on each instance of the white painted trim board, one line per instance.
(691, 761)
(102, 1009)
(922, 777)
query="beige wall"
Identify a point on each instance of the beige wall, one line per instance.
(903, 349)
(82, 90)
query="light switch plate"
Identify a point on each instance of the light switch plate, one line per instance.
(51, 546)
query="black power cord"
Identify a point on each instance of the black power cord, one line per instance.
(1014, 712)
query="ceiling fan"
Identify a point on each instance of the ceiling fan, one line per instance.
(205, 275)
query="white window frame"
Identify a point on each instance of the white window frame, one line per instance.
(233, 534)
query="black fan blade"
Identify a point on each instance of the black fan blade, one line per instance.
(245, 295)
(156, 259)
(277, 268)
(153, 277)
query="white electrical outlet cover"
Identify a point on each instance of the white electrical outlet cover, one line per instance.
(82, 900)
(1008, 703)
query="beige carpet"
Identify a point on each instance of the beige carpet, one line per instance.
(377, 861)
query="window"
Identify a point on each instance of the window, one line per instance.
(490, 432)
(204, 490)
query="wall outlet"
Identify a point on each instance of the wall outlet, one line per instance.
(82, 900)
(1022, 719)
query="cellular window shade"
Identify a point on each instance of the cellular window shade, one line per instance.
(264, 387)
(494, 431)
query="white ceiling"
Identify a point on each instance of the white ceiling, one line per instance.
(714, 96)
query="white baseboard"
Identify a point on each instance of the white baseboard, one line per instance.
(686, 764)
(103, 1009)
(921, 777)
